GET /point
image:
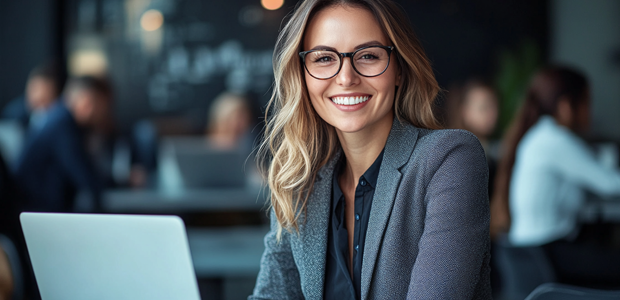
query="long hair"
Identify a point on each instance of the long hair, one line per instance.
(297, 142)
(545, 91)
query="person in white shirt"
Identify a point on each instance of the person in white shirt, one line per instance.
(548, 168)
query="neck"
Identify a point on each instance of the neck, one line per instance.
(362, 148)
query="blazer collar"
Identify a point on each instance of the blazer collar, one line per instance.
(398, 149)
(313, 231)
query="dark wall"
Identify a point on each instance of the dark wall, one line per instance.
(30, 34)
(464, 38)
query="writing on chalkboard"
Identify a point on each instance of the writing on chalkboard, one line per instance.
(243, 70)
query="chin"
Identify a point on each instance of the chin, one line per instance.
(350, 127)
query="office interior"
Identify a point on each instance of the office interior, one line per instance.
(189, 80)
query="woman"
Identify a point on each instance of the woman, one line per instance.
(367, 200)
(547, 168)
(479, 111)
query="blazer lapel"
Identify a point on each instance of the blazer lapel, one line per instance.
(313, 232)
(398, 148)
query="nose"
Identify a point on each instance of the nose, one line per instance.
(347, 75)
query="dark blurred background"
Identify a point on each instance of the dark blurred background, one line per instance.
(167, 61)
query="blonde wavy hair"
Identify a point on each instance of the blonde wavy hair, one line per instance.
(297, 142)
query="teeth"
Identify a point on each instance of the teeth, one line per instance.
(349, 100)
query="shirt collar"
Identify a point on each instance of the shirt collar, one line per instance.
(371, 174)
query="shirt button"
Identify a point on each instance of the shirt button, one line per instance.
(357, 217)
(357, 247)
(363, 182)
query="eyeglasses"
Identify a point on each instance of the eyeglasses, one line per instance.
(367, 61)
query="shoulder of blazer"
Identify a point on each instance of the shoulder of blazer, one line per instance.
(434, 145)
(439, 140)
(445, 140)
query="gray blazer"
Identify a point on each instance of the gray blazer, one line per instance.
(428, 233)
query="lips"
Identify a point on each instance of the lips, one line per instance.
(349, 100)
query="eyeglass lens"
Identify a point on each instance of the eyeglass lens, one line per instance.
(326, 63)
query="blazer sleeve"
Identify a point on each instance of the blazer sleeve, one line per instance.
(278, 277)
(453, 257)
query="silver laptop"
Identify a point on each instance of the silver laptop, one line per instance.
(92, 256)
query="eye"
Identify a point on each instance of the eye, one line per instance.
(367, 56)
(323, 59)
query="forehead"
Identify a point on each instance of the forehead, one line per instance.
(344, 28)
(40, 80)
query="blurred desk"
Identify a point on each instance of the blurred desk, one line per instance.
(227, 252)
(601, 209)
(187, 201)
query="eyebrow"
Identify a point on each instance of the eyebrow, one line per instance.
(371, 43)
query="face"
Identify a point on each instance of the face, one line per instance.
(89, 108)
(480, 111)
(40, 93)
(346, 29)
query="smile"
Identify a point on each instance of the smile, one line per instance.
(349, 100)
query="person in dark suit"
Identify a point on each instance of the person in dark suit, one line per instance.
(369, 199)
(42, 91)
(55, 163)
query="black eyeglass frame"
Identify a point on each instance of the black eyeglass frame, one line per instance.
(342, 55)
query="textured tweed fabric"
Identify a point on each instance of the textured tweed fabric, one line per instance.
(428, 233)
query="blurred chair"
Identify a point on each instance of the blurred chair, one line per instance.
(522, 269)
(14, 263)
(556, 291)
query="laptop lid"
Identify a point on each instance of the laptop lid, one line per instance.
(92, 256)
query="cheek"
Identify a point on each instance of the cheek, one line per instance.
(316, 90)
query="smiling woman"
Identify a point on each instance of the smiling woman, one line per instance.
(368, 199)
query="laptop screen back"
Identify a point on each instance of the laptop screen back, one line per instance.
(90, 256)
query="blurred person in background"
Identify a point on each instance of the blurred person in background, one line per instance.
(479, 112)
(55, 163)
(543, 175)
(474, 106)
(42, 91)
(230, 118)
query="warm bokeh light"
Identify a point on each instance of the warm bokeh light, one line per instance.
(87, 62)
(272, 4)
(151, 20)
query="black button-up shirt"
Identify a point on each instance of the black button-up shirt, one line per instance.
(338, 282)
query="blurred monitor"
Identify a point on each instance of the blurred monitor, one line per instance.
(121, 257)
(202, 168)
(191, 163)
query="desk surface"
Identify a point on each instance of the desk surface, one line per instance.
(185, 201)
